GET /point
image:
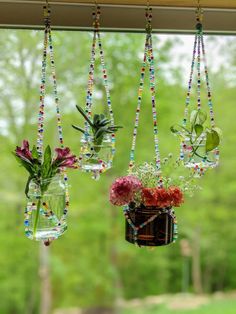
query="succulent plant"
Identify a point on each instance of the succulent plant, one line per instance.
(100, 126)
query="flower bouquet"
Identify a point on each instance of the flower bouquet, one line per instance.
(148, 206)
(46, 191)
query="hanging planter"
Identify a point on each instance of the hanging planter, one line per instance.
(148, 204)
(200, 137)
(98, 139)
(148, 209)
(158, 226)
(96, 143)
(47, 188)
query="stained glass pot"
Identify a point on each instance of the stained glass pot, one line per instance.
(45, 214)
(158, 232)
(195, 156)
(94, 157)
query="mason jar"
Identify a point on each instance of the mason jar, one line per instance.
(46, 210)
(94, 157)
(194, 154)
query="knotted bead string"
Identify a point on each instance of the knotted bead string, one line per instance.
(199, 47)
(209, 95)
(148, 59)
(90, 87)
(49, 44)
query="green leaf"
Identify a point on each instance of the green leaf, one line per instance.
(198, 117)
(47, 162)
(81, 111)
(174, 130)
(78, 128)
(27, 165)
(27, 186)
(104, 122)
(212, 140)
(96, 119)
(219, 132)
(100, 132)
(198, 129)
(35, 154)
(202, 116)
(193, 117)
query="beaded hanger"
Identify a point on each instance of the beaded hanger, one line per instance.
(90, 88)
(148, 60)
(199, 54)
(48, 49)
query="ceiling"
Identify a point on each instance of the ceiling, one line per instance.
(169, 16)
(174, 3)
(227, 4)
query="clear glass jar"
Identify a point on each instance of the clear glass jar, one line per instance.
(93, 157)
(195, 156)
(46, 210)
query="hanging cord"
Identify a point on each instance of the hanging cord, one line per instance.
(89, 98)
(49, 44)
(147, 60)
(199, 48)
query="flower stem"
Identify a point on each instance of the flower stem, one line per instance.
(37, 217)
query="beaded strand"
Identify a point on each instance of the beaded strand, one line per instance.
(41, 115)
(199, 48)
(90, 86)
(148, 59)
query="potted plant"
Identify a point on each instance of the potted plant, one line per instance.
(97, 143)
(148, 206)
(199, 142)
(46, 191)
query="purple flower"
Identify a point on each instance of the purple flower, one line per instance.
(62, 153)
(64, 158)
(24, 152)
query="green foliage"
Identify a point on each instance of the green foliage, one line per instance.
(198, 133)
(100, 126)
(92, 265)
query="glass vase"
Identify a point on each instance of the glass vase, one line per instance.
(94, 157)
(45, 214)
(158, 232)
(195, 156)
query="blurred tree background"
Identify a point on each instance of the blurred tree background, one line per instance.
(92, 266)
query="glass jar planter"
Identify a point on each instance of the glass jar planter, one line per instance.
(46, 210)
(158, 226)
(194, 154)
(95, 157)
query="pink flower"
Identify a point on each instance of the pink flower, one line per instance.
(24, 152)
(123, 190)
(64, 158)
(176, 195)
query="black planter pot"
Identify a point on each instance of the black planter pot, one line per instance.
(159, 231)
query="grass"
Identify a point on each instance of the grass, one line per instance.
(225, 306)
